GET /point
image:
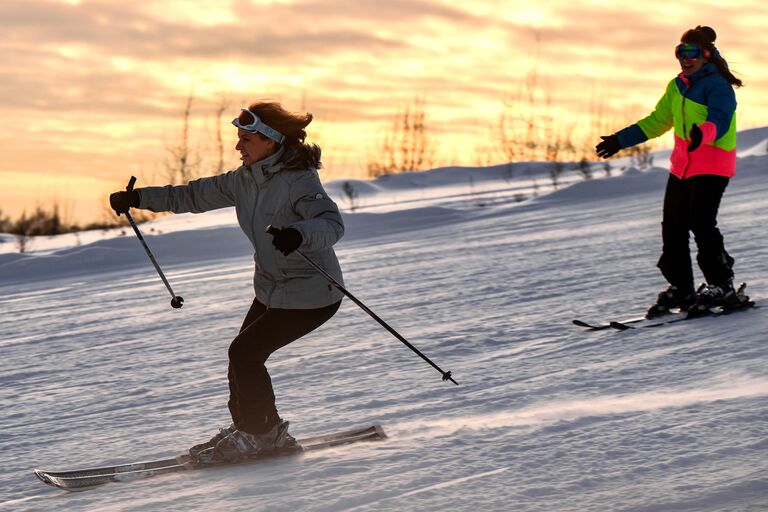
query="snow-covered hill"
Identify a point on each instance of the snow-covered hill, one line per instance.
(96, 367)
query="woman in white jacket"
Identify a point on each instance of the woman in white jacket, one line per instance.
(277, 185)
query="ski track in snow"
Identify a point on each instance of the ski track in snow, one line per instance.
(99, 369)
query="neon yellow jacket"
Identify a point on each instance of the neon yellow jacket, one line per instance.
(706, 99)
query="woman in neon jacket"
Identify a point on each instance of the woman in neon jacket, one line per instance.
(700, 105)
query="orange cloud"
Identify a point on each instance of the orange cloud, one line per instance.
(94, 89)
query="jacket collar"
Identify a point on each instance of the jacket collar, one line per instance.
(264, 169)
(706, 69)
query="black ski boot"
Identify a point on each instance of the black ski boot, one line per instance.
(221, 434)
(722, 296)
(671, 298)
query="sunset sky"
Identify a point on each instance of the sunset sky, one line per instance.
(93, 91)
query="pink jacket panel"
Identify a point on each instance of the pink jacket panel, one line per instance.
(705, 160)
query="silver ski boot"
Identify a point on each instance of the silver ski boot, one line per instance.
(240, 445)
(221, 434)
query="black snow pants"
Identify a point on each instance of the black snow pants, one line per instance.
(251, 398)
(690, 205)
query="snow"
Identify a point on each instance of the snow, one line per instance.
(97, 368)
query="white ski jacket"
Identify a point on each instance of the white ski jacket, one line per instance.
(283, 190)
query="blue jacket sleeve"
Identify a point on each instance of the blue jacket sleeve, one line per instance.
(721, 105)
(631, 136)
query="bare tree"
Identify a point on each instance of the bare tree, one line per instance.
(528, 131)
(408, 145)
(485, 155)
(183, 163)
(519, 121)
(5, 222)
(225, 101)
(351, 194)
(40, 222)
(640, 156)
(584, 168)
(22, 229)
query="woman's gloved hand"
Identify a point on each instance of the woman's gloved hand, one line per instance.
(122, 201)
(286, 240)
(696, 136)
(609, 147)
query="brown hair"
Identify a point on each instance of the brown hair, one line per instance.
(290, 124)
(705, 37)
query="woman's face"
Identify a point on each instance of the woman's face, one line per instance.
(253, 147)
(689, 64)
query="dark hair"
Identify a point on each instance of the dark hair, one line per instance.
(290, 124)
(705, 37)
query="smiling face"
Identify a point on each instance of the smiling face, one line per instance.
(691, 58)
(253, 147)
(691, 66)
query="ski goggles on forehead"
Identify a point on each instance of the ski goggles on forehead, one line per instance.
(250, 122)
(688, 51)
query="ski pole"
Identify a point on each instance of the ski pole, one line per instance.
(446, 375)
(176, 301)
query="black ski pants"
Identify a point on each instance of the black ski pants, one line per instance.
(251, 398)
(690, 205)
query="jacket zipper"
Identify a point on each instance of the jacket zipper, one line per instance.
(273, 284)
(688, 84)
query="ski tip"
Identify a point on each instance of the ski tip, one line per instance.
(43, 476)
(620, 326)
(380, 431)
(591, 327)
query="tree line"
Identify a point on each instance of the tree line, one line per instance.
(526, 130)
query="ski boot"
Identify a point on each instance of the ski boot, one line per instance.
(671, 298)
(221, 434)
(722, 296)
(240, 445)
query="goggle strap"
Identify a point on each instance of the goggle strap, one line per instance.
(259, 126)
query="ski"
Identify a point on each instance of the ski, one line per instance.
(600, 326)
(672, 316)
(87, 478)
(667, 319)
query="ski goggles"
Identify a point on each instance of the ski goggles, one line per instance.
(250, 122)
(689, 51)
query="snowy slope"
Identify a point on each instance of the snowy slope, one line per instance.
(96, 367)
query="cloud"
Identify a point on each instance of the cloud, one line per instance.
(115, 75)
(261, 32)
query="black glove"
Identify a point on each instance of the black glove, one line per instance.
(122, 201)
(609, 147)
(286, 240)
(696, 137)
